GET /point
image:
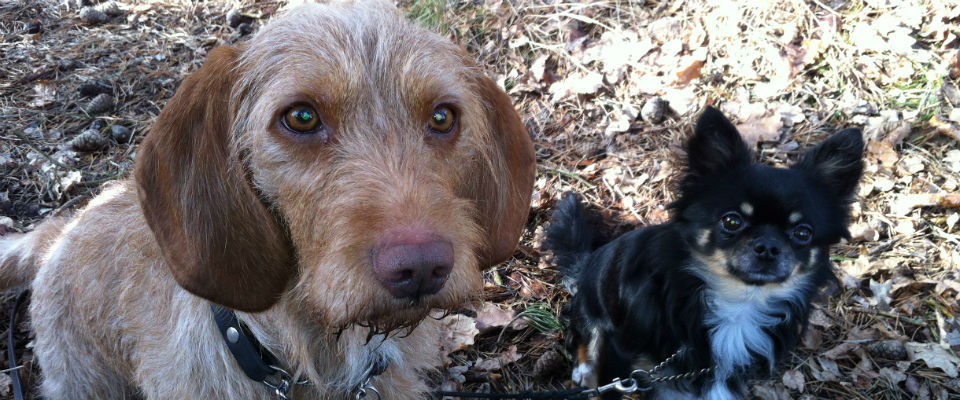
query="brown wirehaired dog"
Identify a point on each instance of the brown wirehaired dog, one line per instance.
(335, 179)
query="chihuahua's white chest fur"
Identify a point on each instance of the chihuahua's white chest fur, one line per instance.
(737, 330)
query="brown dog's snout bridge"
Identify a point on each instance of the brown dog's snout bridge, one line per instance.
(413, 267)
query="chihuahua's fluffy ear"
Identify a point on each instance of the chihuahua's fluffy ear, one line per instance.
(838, 161)
(716, 145)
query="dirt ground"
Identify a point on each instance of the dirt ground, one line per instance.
(608, 90)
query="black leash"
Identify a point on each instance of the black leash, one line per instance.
(639, 380)
(569, 394)
(260, 364)
(11, 351)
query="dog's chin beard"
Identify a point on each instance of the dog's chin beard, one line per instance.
(400, 321)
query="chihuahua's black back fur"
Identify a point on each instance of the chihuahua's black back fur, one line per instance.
(729, 278)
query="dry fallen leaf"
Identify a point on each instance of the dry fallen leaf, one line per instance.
(772, 392)
(953, 339)
(575, 84)
(883, 184)
(44, 94)
(934, 356)
(616, 50)
(909, 165)
(761, 129)
(945, 127)
(952, 220)
(68, 181)
(505, 358)
(5, 383)
(491, 316)
(954, 115)
(812, 338)
(892, 375)
(897, 133)
(456, 333)
(904, 203)
(952, 159)
(691, 66)
(819, 318)
(881, 294)
(863, 232)
(883, 153)
(621, 118)
(840, 351)
(682, 100)
(858, 268)
(790, 114)
(456, 375)
(828, 371)
(538, 67)
(793, 379)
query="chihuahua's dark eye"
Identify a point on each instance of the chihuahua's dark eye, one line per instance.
(442, 120)
(302, 119)
(731, 222)
(802, 234)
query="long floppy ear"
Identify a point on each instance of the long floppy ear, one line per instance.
(219, 239)
(503, 193)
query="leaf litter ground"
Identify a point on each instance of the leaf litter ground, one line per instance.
(608, 90)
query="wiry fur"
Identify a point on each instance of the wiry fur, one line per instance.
(226, 206)
(689, 284)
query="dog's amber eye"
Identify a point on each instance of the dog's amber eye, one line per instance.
(802, 234)
(731, 222)
(442, 120)
(301, 118)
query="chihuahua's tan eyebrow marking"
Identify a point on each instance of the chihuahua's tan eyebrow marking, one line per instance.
(704, 238)
(747, 208)
(795, 217)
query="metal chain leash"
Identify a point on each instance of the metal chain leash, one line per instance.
(641, 380)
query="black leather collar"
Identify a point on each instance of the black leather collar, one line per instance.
(254, 359)
(260, 364)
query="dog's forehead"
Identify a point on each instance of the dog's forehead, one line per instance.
(351, 50)
(778, 195)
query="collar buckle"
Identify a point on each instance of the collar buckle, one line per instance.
(282, 383)
(375, 367)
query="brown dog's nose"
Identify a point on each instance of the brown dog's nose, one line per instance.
(413, 265)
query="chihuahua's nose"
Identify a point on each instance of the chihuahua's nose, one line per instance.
(412, 263)
(767, 248)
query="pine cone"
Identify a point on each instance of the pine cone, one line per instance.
(102, 103)
(549, 364)
(888, 349)
(88, 141)
(110, 8)
(93, 16)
